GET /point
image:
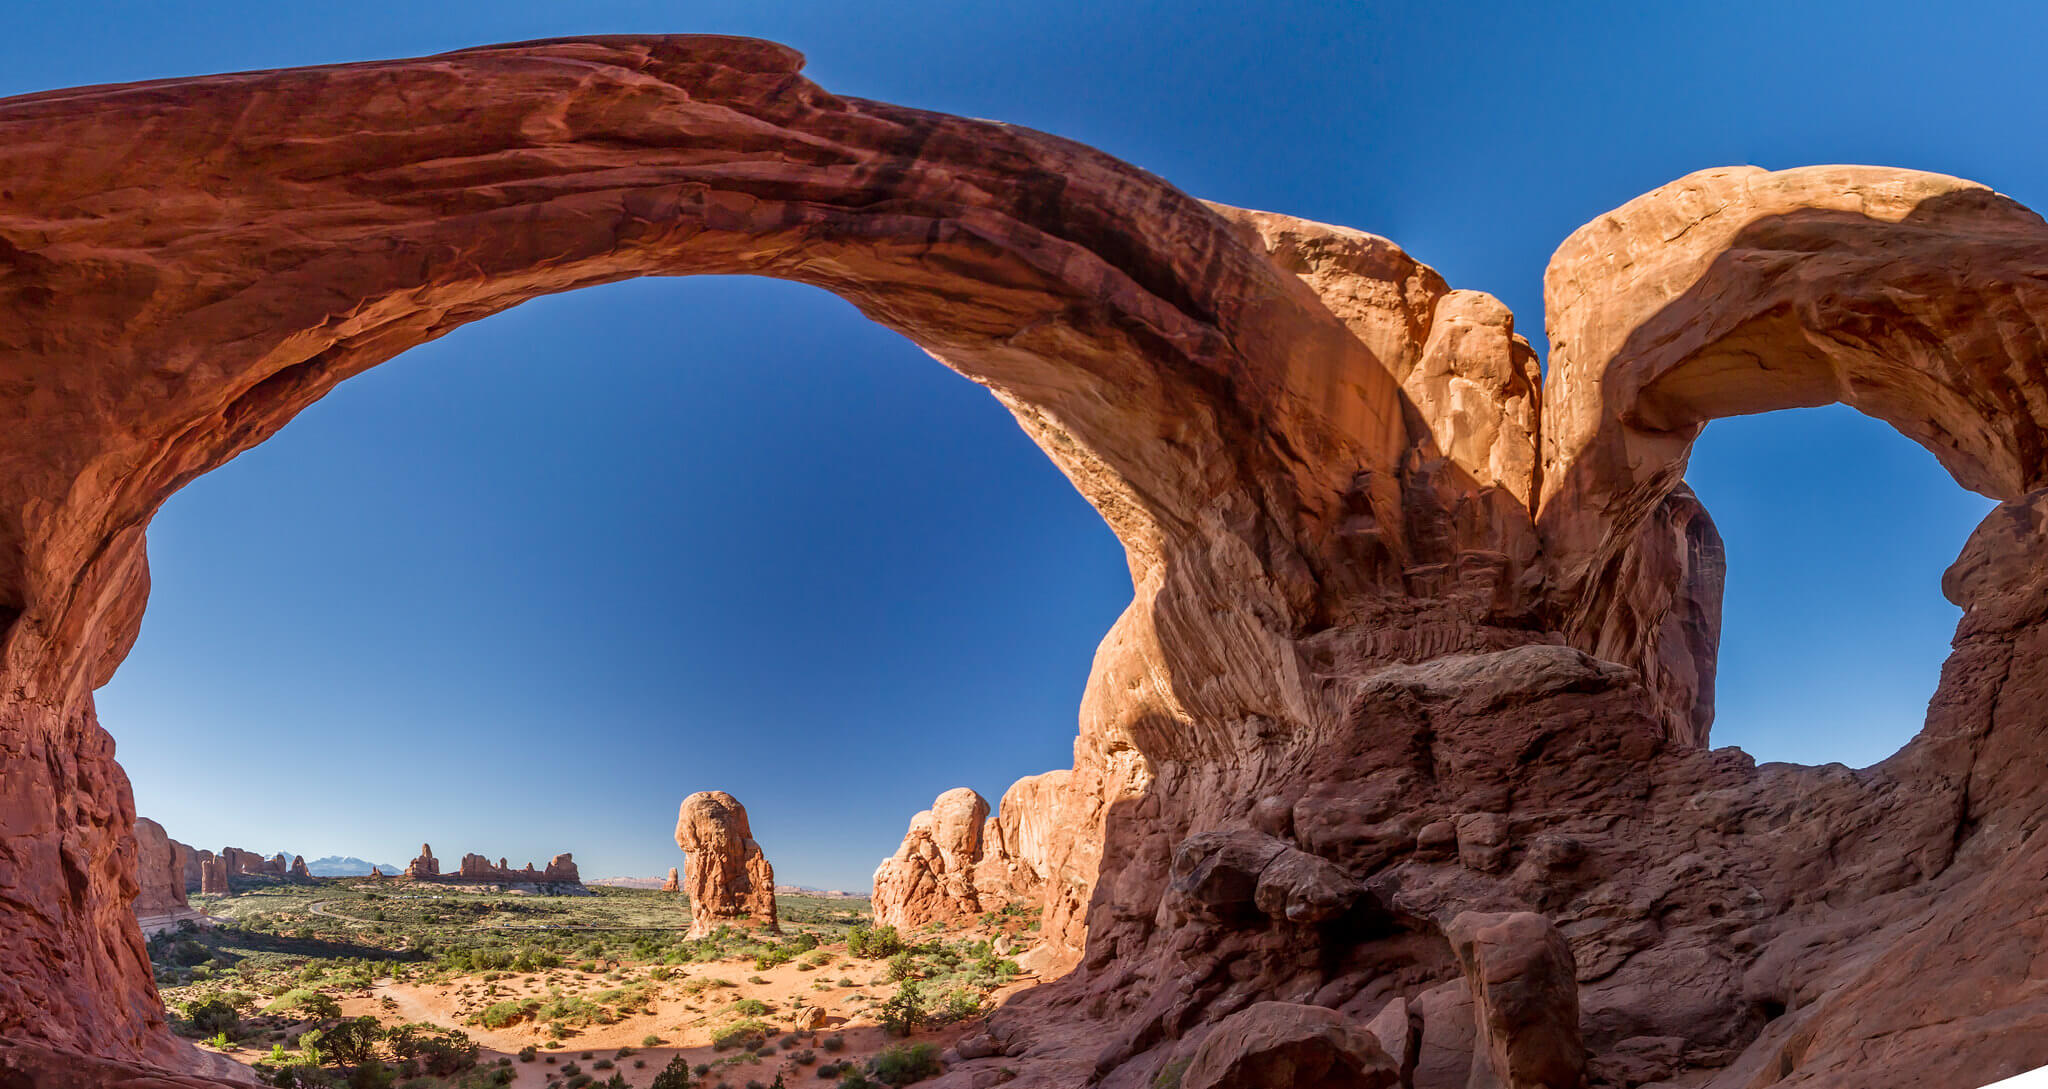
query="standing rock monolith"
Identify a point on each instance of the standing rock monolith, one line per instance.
(727, 877)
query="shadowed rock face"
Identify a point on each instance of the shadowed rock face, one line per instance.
(1413, 632)
(727, 877)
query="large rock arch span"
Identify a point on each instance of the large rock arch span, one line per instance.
(1371, 572)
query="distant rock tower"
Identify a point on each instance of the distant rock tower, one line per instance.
(426, 865)
(213, 874)
(729, 879)
(674, 882)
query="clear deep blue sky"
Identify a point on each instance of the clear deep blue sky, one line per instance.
(522, 589)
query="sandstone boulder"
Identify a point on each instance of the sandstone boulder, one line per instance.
(1281, 1045)
(727, 877)
(1525, 994)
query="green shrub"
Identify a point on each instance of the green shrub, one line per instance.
(748, 1034)
(310, 1003)
(834, 1043)
(213, 1015)
(905, 1063)
(500, 1014)
(751, 1007)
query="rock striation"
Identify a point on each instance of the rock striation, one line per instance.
(726, 876)
(1416, 631)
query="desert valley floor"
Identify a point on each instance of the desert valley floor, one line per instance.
(601, 987)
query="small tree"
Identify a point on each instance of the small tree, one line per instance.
(675, 1076)
(351, 1042)
(904, 1011)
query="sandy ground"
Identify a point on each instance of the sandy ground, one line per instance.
(684, 1022)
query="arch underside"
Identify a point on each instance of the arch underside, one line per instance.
(1387, 576)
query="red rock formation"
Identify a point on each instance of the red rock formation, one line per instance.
(375, 872)
(957, 862)
(160, 876)
(1284, 1045)
(477, 868)
(674, 882)
(1411, 634)
(299, 872)
(728, 878)
(213, 875)
(426, 865)
(931, 876)
(188, 864)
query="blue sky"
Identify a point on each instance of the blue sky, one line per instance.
(521, 590)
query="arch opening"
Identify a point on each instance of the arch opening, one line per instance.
(1834, 627)
(560, 550)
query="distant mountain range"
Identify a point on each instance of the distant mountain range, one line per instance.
(346, 866)
(630, 882)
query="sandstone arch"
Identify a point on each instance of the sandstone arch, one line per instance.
(1909, 296)
(1361, 688)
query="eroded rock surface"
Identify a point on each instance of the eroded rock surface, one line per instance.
(1413, 632)
(727, 877)
(958, 861)
(1284, 1045)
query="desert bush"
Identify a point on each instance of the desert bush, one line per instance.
(500, 1014)
(212, 1015)
(748, 1034)
(958, 1004)
(751, 1007)
(905, 1063)
(834, 1043)
(877, 944)
(306, 1001)
(527, 1053)
(430, 1049)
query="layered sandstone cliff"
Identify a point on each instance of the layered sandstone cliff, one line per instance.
(725, 874)
(160, 878)
(1408, 719)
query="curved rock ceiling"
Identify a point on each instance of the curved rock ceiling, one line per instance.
(1416, 632)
